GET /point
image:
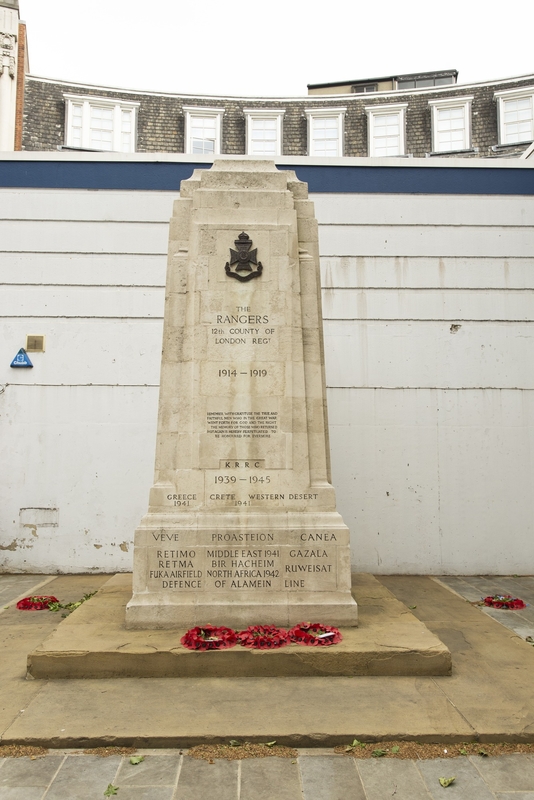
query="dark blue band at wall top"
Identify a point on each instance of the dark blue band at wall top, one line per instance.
(165, 176)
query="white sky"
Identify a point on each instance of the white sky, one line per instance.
(272, 47)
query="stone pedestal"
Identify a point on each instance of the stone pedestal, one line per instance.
(242, 526)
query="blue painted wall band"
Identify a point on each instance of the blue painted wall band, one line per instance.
(158, 176)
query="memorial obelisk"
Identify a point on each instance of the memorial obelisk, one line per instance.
(242, 526)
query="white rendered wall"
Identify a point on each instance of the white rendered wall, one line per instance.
(429, 341)
(87, 270)
(428, 308)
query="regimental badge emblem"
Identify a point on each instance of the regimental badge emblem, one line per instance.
(243, 264)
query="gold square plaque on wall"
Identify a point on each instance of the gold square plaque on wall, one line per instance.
(35, 344)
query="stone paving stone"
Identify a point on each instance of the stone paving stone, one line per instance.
(485, 584)
(391, 778)
(12, 586)
(199, 780)
(270, 779)
(330, 778)
(462, 587)
(153, 771)
(515, 796)
(468, 785)
(82, 777)
(518, 589)
(22, 792)
(527, 614)
(513, 773)
(145, 793)
(476, 587)
(523, 630)
(29, 772)
(526, 583)
(510, 619)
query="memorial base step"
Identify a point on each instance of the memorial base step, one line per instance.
(93, 642)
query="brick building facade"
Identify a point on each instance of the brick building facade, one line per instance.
(488, 120)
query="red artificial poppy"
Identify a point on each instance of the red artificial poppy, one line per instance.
(263, 637)
(36, 603)
(209, 637)
(504, 601)
(314, 634)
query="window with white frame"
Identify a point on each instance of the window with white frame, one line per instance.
(264, 131)
(516, 115)
(325, 131)
(385, 129)
(451, 124)
(100, 123)
(203, 130)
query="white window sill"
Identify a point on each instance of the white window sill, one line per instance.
(498, 147)
(466, 151)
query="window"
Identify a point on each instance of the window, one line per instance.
(325, 131)
(385, 129)
(203, 130)
(264, 131)
(451, 124)
(100, 123)
(360, 88)
(516, 117)
(426, 80)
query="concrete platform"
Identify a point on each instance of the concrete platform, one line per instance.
(93, 643)
(488, 698)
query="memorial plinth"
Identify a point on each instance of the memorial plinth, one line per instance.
(242, 526)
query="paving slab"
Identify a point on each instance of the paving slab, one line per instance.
(391, 778)
(81, 777)
(513, 773)
(180, 712)
(24, 793)
(148, 793)
(318, 774)
(155, 770)
(19, 772)
(520, 621)
(200, 780)
(268, 778)
(491, 683)
(93, 642)
(15, 587)
(460, 586)
(330, 778)
(515, 796)
(468, 784)
(513, 620)
(22, 631)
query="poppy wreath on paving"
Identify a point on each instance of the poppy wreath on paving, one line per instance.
(314, 634)
(263, 637)
(209, 637)
(504, 601)
(36, 603)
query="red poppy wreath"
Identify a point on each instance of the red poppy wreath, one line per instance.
(209, 637)
(36, 603)
(504, 601)
(263, 637)
(314, 634)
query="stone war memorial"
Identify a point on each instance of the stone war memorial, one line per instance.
(242, 526)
